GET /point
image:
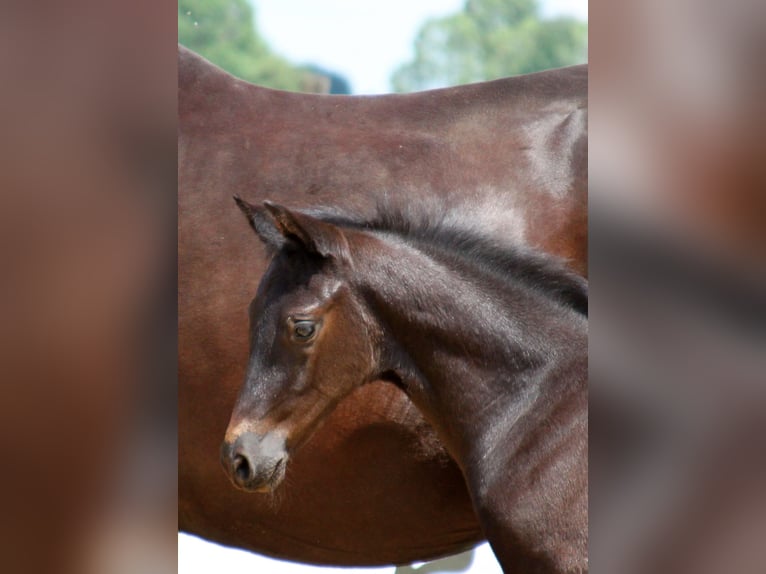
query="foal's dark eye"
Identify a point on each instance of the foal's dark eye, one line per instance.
(304, 330)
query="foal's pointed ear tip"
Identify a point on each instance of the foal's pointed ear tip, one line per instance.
(244, 206)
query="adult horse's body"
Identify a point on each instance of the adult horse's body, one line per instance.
(511, 154)
(487, 342)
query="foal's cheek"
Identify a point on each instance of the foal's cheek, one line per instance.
(360, 360)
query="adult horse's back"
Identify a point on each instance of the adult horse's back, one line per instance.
(373, 486)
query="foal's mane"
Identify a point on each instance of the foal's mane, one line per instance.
(442, 232)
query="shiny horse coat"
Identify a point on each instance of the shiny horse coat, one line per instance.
(489, 343)
(510, 155)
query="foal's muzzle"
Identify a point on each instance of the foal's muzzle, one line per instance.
(255, 463)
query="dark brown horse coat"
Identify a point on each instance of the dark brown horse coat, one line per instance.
(373, 486)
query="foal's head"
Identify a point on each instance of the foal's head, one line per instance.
(311, 344)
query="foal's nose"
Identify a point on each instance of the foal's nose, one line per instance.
(255, 462)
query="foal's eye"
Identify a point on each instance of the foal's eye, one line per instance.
(304, 330)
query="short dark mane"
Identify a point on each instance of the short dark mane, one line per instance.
(437, 230)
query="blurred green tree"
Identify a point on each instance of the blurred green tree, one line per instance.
(491, 39)
(224, 32)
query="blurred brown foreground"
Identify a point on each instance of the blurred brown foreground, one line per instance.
(87, 305)
(677, 267)
(87, 287)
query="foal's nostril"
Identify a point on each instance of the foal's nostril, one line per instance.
(242, 470)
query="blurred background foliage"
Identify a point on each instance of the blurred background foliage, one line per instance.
(491, 39)
(488, 39)
(225, 32)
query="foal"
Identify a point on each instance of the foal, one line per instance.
(489, 344)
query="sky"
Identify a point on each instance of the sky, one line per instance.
(365, 41)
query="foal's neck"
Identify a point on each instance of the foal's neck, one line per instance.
(475, 353)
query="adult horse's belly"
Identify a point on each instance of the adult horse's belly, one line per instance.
(372, 486)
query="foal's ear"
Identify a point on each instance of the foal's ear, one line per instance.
(279, 227)
(261, 222)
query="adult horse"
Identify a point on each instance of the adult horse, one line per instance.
(374, 485)
(490, 344)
